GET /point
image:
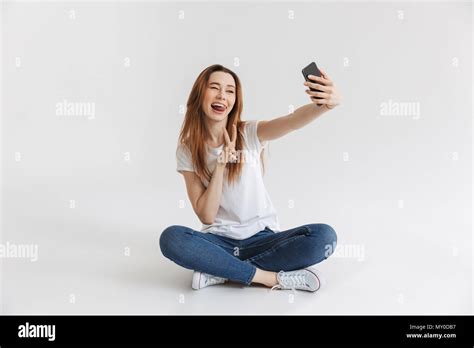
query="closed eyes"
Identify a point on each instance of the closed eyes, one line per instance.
(227, 91)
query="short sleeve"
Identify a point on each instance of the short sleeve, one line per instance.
(183, 159)
(252, 137)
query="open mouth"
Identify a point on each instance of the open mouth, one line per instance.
(219, 108)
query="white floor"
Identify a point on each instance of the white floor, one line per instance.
(87, 273)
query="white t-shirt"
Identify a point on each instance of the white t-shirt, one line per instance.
(245, 207)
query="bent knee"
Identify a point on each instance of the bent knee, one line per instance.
(328, 233)
(325, 237)
(169, 238)
(330, 239)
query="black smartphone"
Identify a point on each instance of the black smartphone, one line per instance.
(312, 69)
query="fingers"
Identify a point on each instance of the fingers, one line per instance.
(229, 149)
(325, 75)
(318, 86)
(230, 155)
(233, 156)
(322, 79)
(324, 93)
(319, 101)
(319, 94)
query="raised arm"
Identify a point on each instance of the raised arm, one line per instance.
(206, 201)
(280, 126)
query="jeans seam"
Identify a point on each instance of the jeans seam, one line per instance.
(257, 245)
(308, 231)
(275, 247)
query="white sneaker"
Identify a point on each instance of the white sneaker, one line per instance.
(302, 279)
(201, 280)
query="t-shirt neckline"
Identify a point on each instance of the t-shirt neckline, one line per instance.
(215, 150)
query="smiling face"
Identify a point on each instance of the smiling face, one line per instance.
(219, 97)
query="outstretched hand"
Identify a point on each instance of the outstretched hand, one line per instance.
(328, 93)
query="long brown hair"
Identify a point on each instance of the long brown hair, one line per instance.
(194, 131)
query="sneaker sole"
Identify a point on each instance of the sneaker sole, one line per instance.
(317, 277)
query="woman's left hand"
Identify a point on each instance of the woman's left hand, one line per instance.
(329, 95)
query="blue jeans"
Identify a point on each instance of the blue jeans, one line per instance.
(238, 260)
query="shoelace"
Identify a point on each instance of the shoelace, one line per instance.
(290, 280)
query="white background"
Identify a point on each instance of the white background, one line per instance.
(400, 187)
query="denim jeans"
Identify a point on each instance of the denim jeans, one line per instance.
(238, 260)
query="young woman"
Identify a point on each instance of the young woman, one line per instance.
(241, 239)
